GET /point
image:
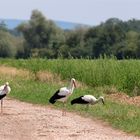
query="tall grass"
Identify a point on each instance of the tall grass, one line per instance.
(122, 74)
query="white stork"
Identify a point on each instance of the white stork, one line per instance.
(87, 99)
(4, 90)
(63, 93)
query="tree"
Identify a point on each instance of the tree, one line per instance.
(103, 37)
(3, 26)
(75, 42)
(41, 34)
(7, 44)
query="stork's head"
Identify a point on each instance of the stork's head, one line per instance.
(102, 99)
(7, 83)
(5, 86)
(73, 81)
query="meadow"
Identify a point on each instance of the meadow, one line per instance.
(124, 75)
(94, 77)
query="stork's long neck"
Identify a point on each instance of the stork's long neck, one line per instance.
(71, 86)
(4, 91)
(5, 87)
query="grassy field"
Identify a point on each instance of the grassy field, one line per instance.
(123, 75)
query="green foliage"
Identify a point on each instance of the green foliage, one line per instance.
(44, 39)
(123, 74)
(124, 117)
(3, 26)
(102, 38)
(75, 43)
(41, 33)
(41, 38)
(10, 42)
(7, 44)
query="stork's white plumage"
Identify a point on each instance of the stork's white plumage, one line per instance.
(87, 99)
(63, 93)
(4, 90)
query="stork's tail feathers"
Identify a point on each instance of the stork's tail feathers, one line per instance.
(76, 101)
(54, 97)
(2, 96)
(52, 100)
(73, 102)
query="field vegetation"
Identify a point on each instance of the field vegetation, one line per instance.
(93, 76)
(121, 74)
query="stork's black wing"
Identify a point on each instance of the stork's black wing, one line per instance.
(79, 100)
(55, 97)
(2, 96)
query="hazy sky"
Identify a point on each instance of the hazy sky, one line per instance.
(91, 12)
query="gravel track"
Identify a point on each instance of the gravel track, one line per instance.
(24, 121)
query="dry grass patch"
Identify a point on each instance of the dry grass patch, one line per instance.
(46, 76)
(113, 94)
(124, 98)
(12, 72)
(43, 76)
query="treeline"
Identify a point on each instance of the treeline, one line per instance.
(40, 37)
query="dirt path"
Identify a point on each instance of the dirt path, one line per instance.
(23, 121)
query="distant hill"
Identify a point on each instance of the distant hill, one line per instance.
(12, 23)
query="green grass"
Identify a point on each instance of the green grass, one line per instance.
(94, 73)
(124, 74)
(124, 117)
